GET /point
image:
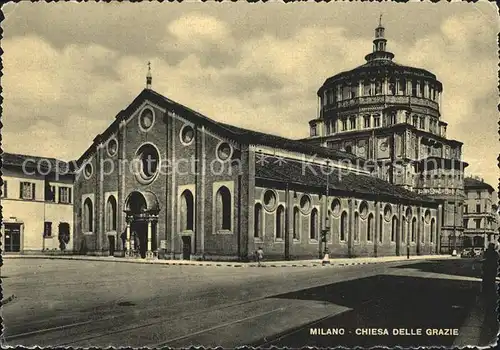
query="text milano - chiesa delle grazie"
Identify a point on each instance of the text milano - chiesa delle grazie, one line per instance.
(166, 181)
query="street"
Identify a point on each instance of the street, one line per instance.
(86, 303)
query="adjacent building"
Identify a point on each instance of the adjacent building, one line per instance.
(37, 204)
(480, 214)
(390, 115)
(166, 181)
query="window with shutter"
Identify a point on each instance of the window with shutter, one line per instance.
(27, 190)
(47, 229)
(64, 195)
(51, 194)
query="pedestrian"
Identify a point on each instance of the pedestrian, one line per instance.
(260, 255)
(490, 269)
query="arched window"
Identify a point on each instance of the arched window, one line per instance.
(88, 215)
(381, 229)
(223, 208)
(356, 227)
(187, 211)
(413, 229)
(343, 226)
(257, 229)
(296, 223)
(369, 228)
(392, 86)
(314, 224)
(433, 224)
(394, 228)
(478, 241)
(111, 214)
(280, 222)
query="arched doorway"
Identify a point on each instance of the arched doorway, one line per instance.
(478, 241)
(142, 210)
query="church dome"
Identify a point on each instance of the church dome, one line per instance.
(381, 81)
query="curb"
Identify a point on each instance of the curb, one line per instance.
(221, 264)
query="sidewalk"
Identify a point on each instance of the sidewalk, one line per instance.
(294, 263)
(480, 328)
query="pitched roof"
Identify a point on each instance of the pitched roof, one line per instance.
(238, 134)
(313, 175)
(472, 183)
(42, 164)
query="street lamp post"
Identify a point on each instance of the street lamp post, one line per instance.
(407, 241)
(324, 233)
(455, 204)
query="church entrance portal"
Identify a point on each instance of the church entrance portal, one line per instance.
(142, 216)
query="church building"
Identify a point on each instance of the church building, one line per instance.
(164, 181)
(390, 115)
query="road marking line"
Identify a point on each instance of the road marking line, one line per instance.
(45, 330)
(213, 328)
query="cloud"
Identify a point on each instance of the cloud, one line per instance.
(260, 73)
(202, 35)
(463, 56)
(194, 28)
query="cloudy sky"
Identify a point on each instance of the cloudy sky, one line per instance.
(69, 68)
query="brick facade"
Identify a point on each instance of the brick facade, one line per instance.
(193, 184)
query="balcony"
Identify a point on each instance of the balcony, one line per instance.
(479, 215)
(439, 191)
(383, 99)
(479, 231)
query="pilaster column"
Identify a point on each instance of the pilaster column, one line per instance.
(149, 253)
(377, 228)
(128, 241)
(439, 223)
(420, 230)
(351, 226)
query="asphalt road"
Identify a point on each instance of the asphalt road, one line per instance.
(85, 303)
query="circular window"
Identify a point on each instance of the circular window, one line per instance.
(335, 207)
(387, 212)
(363, 210)
(187, 134)
(427, 216)
(112, 147)
(270, 200)
(383, 146)
(224, 151)
(148, 163)
(305, 203)
(146, 119)
(88, 170)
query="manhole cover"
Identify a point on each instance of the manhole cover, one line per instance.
(125, 303)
